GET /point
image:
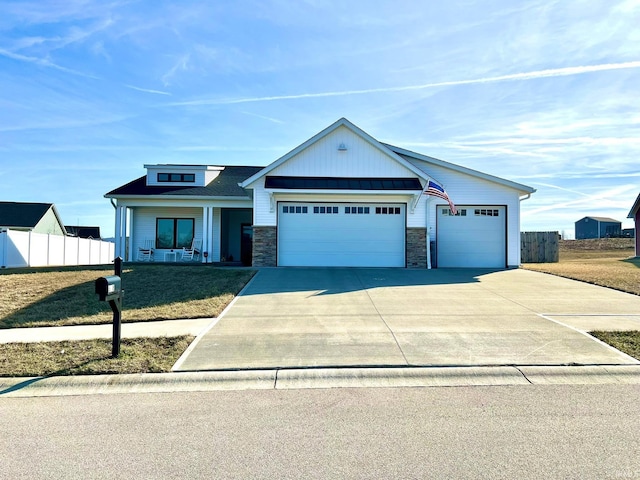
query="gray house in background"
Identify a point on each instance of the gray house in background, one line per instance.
(597, 227)
(31, 217)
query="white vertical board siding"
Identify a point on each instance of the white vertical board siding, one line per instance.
(322, 159)
(144, 223)
(361, 159)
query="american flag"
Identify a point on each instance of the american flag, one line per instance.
(436, 190)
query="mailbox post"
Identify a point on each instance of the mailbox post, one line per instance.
(109, 289)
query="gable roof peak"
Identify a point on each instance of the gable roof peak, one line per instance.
(341, 122)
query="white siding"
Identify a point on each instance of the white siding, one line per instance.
(144, 224)
(468, 190)
(361, 159)
(202, 175)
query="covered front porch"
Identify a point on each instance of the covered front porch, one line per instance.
(219, 233)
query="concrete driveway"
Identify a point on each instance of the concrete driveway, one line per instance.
(311, 317)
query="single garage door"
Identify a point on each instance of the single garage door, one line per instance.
(341, 234)
(475, 237)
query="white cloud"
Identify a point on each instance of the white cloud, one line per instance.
(554, 72)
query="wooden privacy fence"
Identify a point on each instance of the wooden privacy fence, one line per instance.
(28, 249)
(539, 247)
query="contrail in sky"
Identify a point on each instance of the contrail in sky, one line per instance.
(553, 72)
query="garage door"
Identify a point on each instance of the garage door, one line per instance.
(475, 237)
(341, 234)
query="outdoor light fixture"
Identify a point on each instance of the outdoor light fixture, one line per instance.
(342, 147)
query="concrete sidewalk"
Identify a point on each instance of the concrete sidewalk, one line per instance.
(166, 328)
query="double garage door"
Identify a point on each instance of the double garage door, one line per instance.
(341, 234)
(475, 237)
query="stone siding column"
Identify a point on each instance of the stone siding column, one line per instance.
(416, 248)
(264, 246)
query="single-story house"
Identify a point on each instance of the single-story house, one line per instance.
(597, 227)
(341, 198)
(31, 217)
(635, 214)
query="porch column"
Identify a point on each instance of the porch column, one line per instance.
(130, 256)
(123, 240)
(207, 232)
(118, 231)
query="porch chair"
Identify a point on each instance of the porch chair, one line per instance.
(146, 251)
(188, 254)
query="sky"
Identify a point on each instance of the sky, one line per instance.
(543, 92)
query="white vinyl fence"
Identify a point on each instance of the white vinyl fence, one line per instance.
(27, 249)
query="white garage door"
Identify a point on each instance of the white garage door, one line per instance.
(476, 237)
(341, 234)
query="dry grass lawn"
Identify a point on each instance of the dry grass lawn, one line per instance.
(66, 296)
(607, 262)
(139, 355)
(627, 342)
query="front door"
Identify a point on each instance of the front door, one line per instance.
(246, 244)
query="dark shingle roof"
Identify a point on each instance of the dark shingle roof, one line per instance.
(23, 215)
(224, 185)
(323, 183)
(83, 232)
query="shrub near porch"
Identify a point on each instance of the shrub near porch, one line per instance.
(66, 296)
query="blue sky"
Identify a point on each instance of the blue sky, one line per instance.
(545, 93)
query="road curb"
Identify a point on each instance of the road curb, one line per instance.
(301, 378)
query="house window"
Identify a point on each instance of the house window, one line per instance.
(174, 232)
(177, 177)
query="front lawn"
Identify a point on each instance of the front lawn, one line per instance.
(91, 357)
(66, 296)
(607, 262)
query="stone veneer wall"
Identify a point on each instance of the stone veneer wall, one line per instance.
(264, 246)
(416, 248)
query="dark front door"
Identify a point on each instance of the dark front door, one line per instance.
(246, 243)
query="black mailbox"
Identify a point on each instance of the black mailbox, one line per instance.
(108, 288)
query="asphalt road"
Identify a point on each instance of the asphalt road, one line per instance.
(586, 432)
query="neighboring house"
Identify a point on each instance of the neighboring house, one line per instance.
(339, 199)
(83, 232)
(597, 227)
(635, 214)
(31, 217)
